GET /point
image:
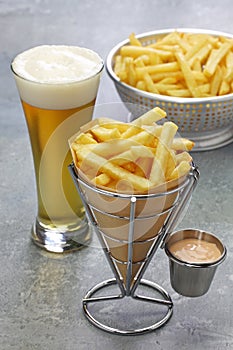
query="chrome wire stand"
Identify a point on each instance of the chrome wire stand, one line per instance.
(128, 285)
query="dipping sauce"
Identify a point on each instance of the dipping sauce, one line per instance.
(193, 250)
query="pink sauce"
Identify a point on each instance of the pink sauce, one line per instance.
(193, 250)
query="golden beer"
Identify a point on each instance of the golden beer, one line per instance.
(57, 86)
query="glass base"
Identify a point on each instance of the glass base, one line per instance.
(57, 241)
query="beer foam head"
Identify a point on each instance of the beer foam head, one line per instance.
(57, 76)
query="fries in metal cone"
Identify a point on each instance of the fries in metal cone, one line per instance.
(143, 154)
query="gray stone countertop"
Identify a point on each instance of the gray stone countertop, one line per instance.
(41, 293)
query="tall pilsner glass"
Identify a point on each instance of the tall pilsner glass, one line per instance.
(57, 85)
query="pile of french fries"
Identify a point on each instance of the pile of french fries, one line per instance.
(140, 155)
(179, 65)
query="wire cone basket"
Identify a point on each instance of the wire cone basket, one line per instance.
(130, 229)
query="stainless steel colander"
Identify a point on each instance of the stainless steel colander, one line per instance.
(208, 121)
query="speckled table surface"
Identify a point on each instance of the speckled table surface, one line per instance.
(41, 293)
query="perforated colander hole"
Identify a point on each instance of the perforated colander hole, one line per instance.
(147, 41)
(191, 118)
(169, 111)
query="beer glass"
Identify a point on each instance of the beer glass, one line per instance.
(57, 85)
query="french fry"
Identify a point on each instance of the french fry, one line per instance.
(133, 40)
(102, 179)
(138, 62)
(80, 147)
(194, 49)
(161, 157)
(144, 58)
(200, 77)
(120, 68)
(154, 58)
(136, 51)
(183, 156)
(122, 127)
(118, 173)
(215, 57)
(131, 131)
(143, 138)
(171, 163)
(179, 93)
(130, 166)
(164, 47)
(150, 117)
(201, 55)
(188, 75)
(163, 88)
(184, 45)
(142, 152)
(197, 66)
(159, 68)
(178, 75)
(224, 88)
(229, 67)
(85, 139)
(122, 158)
(132, 76)
(106, 149)
(171, 38)
(181, 169)
(141, 85)
(103, 135)
(132, 155)
(144, 164)
(216, 81)
(150, 86)
(182, 144)
(154, 129)
(113, 147)
(204, 89)
(168, 80)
